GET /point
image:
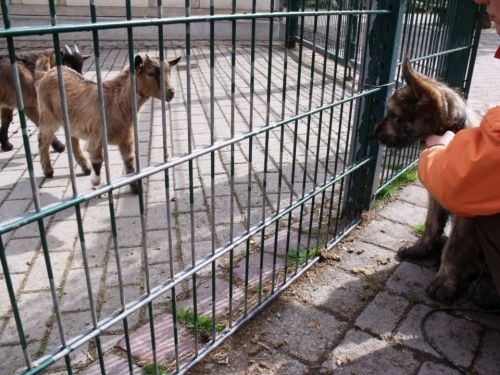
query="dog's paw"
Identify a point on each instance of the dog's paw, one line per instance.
(442, 290)
(421, 249)
(58, 146)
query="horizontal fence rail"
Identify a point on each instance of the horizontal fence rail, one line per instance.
(250, 160)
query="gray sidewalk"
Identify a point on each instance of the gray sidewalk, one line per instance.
(360, 311)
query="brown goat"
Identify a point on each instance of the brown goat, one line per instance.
(26, 65)
(83, 111)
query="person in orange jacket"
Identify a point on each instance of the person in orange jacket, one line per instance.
(462, 172)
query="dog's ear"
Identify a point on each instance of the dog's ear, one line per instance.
(422, 87)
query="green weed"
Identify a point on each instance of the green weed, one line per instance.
(186, 317)
(149, 369)
(406, 178)
(418, 229)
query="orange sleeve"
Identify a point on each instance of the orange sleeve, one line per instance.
(465, 175)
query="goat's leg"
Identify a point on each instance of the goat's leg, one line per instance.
(7, 114)
(461, 260)
(44, 139)
(79, 156)
(32, 113)
(127, 152)
(433, 239)
(96, 160)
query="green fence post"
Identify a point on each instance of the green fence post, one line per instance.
(460, 21)
(293, 25)
(379, 69)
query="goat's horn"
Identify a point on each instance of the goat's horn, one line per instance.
(68, 50)
(77, 51)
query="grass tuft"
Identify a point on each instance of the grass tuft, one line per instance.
(149, 369)
(418, 229)
(301, 257)
(186, 317)
(406, 178)
(415, 299)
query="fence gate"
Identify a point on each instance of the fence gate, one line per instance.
(263, 157)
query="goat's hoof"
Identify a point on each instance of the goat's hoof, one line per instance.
(134, 187)
(7, 146)
(442, 290)
(49, 173)
(58, 146)
(86, 171)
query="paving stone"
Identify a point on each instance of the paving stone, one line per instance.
(158, 245)
(457, 337)
(415, 195)
(12, 359)
(62, 235)
(293, 240)
(488, 360)
(204, 299)
(111, 304)
(113, 364)
(16, 280)
(96, 245)
(140, 341)
(382, 314)
(360, 353)
(430, 368)
(239, 362)
(202, 228)
(20, 253)
(38, 278)
(74, 323)
(404, 213)
(361, 258)
(387, 234)
(411, 281)
(303, 331)
(35, 310)
(254, 268)
(129, 231)
(75, 296)
(337, 291)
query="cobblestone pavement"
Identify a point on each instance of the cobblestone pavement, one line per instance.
(362, 314)
(358, 316)
(192, 225)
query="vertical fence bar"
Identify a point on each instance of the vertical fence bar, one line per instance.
(140, 191)
(166, 174)
(231, 182)
(250, 154)
(212, 157)
(104, 134)
(190, 165)
(266, 148)
(380, 68)
(282, 139)
(308, 137)
(22, 119)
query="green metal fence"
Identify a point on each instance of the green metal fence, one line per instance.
(300, 167)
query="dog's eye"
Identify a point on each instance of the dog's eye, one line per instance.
(151, 74)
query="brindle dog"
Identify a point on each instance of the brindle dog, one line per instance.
(423, 107)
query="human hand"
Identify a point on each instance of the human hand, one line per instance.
(434, 139)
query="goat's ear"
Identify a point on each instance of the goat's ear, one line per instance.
(139, 63)
(174, 61)
(86, 56)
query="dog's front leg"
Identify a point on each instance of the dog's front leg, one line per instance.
(433, 239)
(461, 260)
